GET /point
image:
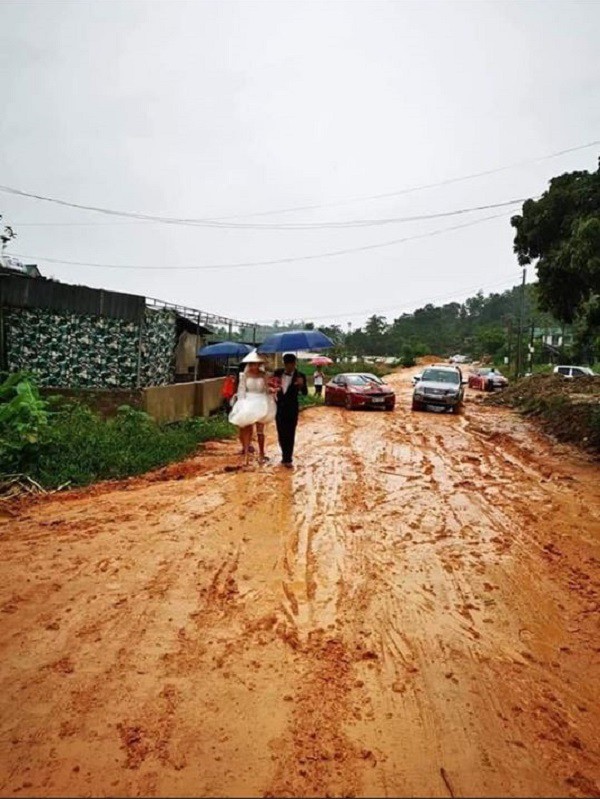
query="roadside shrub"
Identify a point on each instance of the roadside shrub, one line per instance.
(23, 420)
(310, 400)
(408, 357)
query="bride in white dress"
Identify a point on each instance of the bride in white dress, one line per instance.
(255, 405)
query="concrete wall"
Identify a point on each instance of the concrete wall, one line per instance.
(104, 401)
(208, 395)
(170, 403)
(183, 400)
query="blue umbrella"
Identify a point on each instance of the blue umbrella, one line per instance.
(226, 349)
(293, 340)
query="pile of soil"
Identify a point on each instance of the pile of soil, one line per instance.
(568, 409)
(426, 360)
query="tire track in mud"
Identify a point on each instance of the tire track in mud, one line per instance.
(419, 595)
(498, 534)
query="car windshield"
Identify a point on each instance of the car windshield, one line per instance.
(373, 378)
(355, 380)
(483, 371)
(440, 376)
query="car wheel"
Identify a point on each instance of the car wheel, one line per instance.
(416, 406)
(349, 405)
(327, 399)
(390, 407)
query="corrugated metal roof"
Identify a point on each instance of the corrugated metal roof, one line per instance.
(21, 291)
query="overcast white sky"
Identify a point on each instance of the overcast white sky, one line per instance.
(204, 109)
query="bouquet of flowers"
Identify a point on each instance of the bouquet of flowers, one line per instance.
(274, 384)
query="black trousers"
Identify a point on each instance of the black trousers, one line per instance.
(287, 421)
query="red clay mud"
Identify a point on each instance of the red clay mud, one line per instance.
(412, 611)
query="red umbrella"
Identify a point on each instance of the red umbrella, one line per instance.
(321, 360)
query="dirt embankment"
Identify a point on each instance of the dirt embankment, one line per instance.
(568, 409)
(411, 611)
(427, 360)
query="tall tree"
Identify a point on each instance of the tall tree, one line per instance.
(561, 233)
(375, 330)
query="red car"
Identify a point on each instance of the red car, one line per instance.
(487, 380)
(359, 391)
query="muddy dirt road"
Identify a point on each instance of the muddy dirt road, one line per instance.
(412, 612)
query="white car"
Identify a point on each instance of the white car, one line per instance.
(573, 371)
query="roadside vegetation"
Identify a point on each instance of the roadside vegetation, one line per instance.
(379, 369)
(57, 443)
(310, 401)
(568, 409)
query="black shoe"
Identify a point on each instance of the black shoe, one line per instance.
(287, 464)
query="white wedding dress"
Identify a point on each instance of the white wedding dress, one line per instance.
(254, 403)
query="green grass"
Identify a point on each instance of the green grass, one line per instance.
(77, 447)
(310, 401)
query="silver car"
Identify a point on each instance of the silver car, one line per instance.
(441, 387)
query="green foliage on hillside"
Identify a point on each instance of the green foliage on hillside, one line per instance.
(482, 325)
(479, 326)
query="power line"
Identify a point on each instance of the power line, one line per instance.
(352, 223)
(423, 187)
(273, 262)
(215, 220)
(394, 308)
(79, 224)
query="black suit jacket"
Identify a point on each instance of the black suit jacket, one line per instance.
(288, 402)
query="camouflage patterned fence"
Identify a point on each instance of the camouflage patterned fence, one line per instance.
(63, 349)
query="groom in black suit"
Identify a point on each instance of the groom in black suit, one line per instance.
(293, 383)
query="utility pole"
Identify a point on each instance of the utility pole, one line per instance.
(508, 342)
(519, 359)
(196, 349)
(531, 345)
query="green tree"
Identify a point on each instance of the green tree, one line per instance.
(375, 331)
(489, 341)
(560, 232)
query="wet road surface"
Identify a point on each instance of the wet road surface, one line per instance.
(413, 611)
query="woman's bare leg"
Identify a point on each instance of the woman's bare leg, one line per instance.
(246, 436)
(241, 438)
(260, 435)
